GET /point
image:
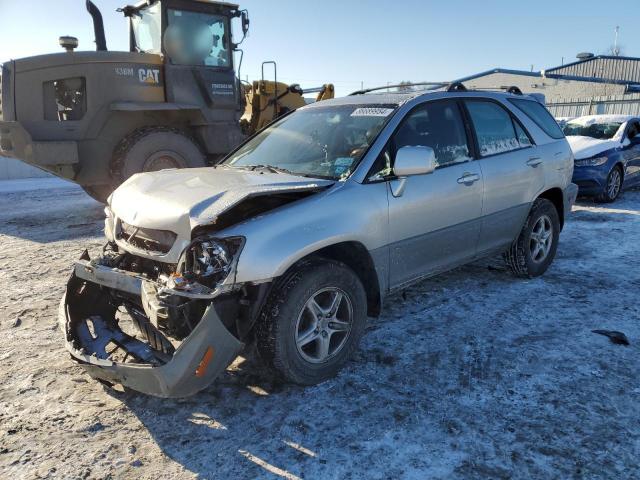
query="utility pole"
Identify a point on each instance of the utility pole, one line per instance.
(616, 50)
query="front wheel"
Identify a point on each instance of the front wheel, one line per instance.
(613, 187)
(313, 322)
(535, 248)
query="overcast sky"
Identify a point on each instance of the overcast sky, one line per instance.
(375, 42)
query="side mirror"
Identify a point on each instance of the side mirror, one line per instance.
(244, 18)
(414, 161)
(244, 22)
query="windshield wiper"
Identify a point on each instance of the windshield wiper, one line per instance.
(271, 168)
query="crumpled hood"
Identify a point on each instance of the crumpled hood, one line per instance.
(180, 200)
(586, 147)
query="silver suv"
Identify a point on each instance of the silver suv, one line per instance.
(299, 234)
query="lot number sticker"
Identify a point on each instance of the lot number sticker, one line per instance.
(372, 112)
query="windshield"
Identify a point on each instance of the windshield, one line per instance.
(194, 38)
(146, 29)
(323, 142)
(601, 131)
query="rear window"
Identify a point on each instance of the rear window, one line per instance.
(540, 115)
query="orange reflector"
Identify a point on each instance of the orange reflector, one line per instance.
(204, 363)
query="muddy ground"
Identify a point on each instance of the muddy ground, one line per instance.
(473, 374)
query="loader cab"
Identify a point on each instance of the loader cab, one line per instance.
(186, 32)
(194, 40)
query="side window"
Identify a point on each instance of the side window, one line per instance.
(494, 127)
(523, 138)
(437, 125)
(540, 115)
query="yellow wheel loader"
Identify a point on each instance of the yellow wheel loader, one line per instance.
(173, 100)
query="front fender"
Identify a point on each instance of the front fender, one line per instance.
(275, 241)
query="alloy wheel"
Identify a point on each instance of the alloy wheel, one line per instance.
(614, 183)
(323, 325)
(541, 239)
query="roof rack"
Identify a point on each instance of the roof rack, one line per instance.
(508, 88)
(456, 87)
(450, 87)
(400, 85)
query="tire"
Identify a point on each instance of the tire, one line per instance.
(285, 334)
(542, 229)
(99, 192)
(613, 186)
(150, 149)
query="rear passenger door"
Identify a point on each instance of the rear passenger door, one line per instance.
(512, 170)
(434, 221)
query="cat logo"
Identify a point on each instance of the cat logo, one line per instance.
(149, 76)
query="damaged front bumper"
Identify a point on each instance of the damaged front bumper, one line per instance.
(87, 317)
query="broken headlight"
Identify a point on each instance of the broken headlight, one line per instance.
(209, 261)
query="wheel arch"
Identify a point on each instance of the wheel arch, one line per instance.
(107, 131)
(556, 197)
(620, 163)
(355, 256)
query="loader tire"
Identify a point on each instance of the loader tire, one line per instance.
(289, 314)
(150, 149)
(99, 192)
(535, 248)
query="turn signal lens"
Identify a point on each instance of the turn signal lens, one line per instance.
(201, 371)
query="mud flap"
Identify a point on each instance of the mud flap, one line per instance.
(199, 359)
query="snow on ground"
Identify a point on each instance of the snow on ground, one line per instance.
(472, 374)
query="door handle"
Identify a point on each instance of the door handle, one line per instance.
(534, 161)
(469, 178)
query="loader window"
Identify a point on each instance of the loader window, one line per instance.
(194, 38)
(146, 29)
(65, 100)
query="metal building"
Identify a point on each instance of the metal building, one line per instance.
(592, 85)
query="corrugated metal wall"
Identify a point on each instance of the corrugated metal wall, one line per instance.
(628, 104)
(11, 169)
(610, 68)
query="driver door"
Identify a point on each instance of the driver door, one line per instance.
(434, 219)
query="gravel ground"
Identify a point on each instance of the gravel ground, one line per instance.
(473, 374)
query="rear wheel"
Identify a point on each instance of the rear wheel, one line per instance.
(613, 186)
(313, 322)
(535, 248)
(150, 149)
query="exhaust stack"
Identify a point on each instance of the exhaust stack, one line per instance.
(98, 26)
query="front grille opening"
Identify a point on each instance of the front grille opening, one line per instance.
(148, 239)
